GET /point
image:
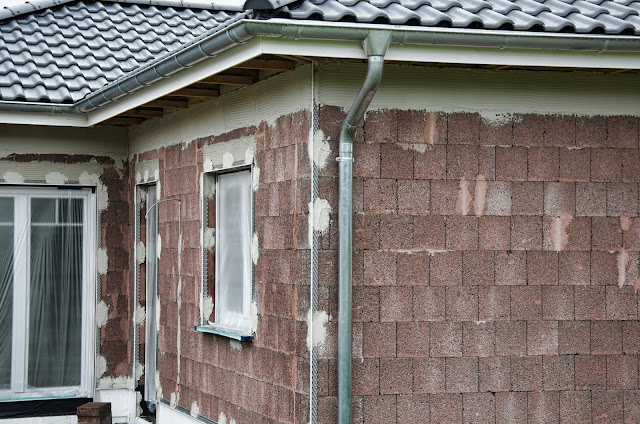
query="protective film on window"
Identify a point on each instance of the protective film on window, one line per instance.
(233, 251)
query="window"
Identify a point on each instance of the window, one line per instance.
(233, 267)
(46, 294)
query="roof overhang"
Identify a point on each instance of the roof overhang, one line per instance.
(246, 39)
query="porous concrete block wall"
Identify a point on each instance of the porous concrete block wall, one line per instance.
(494, 268)
(262, 381)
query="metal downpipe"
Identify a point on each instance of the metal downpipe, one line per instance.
(375, 45)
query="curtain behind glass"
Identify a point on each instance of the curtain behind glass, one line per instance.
(6, 289)
(55, 297)
(233, 290)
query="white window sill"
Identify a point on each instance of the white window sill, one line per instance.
(225, 332)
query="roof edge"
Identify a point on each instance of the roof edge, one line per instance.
(241, 29)
(10, 12)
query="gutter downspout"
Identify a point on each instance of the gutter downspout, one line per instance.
(375, 46)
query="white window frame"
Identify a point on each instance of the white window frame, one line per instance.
(245, 332)
(22, 216)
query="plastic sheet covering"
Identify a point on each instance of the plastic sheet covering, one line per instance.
(55, 293)
(6, 289)
(41, 280)
(233, 251)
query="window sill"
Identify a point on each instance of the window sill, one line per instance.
(212, 329)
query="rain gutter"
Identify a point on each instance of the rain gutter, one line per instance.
(241, 29)
(375, 46)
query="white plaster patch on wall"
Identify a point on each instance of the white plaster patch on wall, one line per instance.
(559, 236)
(266, 100)
(139, 370)
(235, 345)
(158, 246)
(208, 238)
(319, 150)
(159, 394)
(149, 170)
(321, 215)
(207, 165)
(138, 178)
(490, 93)
(141, 314)
(227, 160)
(102, 313)
(222, 418)
(141, 252)
(102, 196)
(55, 178)
(463, 202)
(316, 328)
(249, 154)
(255, 251)
(226, 154)
(102, 261)
(101, 366)
(195, 411)
(254, 316)
(173, 401)
(255, 178)
(497, 119)
(480, 197)
(12, 177)
(623, 259)
(207, 306)
(121, 382)
(146, 175)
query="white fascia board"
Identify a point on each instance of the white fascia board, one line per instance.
(513, 57)
(41, 118)
(456, 54)
(201, 70)
(346, 49)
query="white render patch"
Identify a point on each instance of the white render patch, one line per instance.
(559, 236)
(48, 172)
(101, 366)
(139, 370)
(227, 160)
(623, 260)
(141, 314)
(159, 393)
(267, 100)
(102, 313)
(102, 195)
(207, 306)
(148, 170)
(488, 92)
(235, 345)
(208, 238)
(195, 411)
(480, 197)
(222, 418)
(57, 178)
(497, 119)
(254, 317)
(121, 382)
(11, 177)
(319, 150)
(316, 328)
(249, 155)
(207, 165)
(102, 262)
(255, 178)
(321, 215)
(173, 401)
(158, 246)
(255, 251)
(229, 153)
(141, 252)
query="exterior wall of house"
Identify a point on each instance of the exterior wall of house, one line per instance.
(93, 157)
(495, 247)
(212, 376)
